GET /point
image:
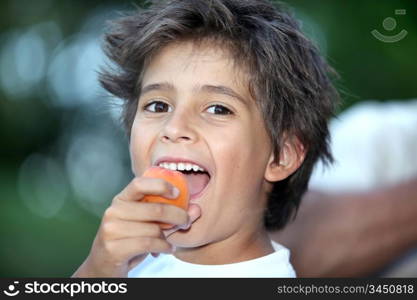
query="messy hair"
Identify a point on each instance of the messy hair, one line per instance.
(288, 78)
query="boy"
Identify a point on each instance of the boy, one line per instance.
(234, 89)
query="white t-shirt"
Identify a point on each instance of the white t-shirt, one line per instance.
(374, 145)
(276, 264)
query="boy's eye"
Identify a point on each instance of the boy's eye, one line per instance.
(158, 107)
(219, 110)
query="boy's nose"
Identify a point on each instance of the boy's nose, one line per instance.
(178, 128)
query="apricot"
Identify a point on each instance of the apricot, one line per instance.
(175, 178)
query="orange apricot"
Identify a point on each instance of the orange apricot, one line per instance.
(175, 178)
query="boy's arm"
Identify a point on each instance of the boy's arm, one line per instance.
(351, 234)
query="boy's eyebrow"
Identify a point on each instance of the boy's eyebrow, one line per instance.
(164, 86)
(208, 88)
(224, 90)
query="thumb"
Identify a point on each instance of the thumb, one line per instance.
(194, 212)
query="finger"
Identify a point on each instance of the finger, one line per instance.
(126, 249)
(146, 212)
(120, 229)
(141, 186)
(194, 212)
(136, 260)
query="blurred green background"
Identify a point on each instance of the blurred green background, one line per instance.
(63, 153)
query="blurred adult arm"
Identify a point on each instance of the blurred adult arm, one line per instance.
(351, 234)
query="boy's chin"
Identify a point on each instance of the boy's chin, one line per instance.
(186, 239)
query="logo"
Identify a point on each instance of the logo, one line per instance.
(11, 291)
(389, 24)
(70, 288)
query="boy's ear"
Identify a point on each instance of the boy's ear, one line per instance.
(291, 157)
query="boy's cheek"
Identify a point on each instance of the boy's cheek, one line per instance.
(135, 162)
(137, 159)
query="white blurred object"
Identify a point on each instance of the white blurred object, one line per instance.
(24, 55)
(374, 144)
(95, 170)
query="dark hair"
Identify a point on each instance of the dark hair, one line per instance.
(288, 78)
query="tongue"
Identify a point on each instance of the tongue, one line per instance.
(197, 182)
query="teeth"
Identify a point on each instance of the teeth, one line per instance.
(181, 166)
(173, 166)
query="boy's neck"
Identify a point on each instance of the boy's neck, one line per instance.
(235, 249)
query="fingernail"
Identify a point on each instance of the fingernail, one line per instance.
(173, 248)
(188, 225)
(175, 192)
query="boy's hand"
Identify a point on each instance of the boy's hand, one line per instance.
(128, 231)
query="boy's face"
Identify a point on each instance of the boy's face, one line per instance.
(195, 105)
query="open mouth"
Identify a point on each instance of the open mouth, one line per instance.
(197, 177)
(197, 182)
